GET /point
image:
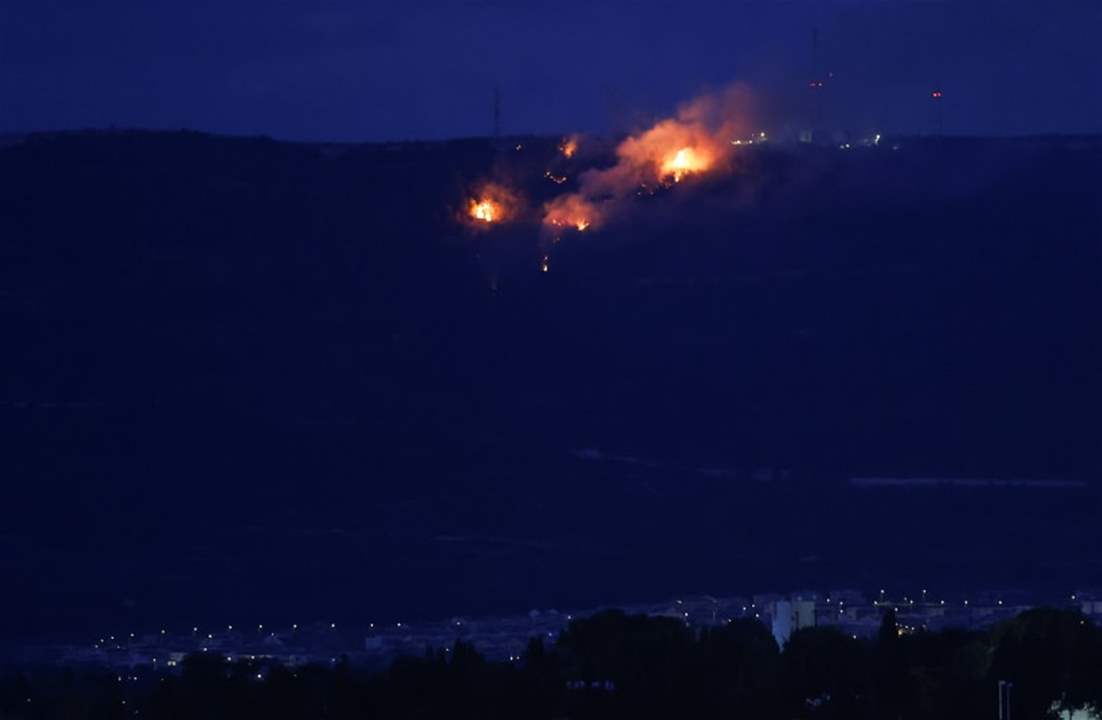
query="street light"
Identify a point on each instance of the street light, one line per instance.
(1004, 699)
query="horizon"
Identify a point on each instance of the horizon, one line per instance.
(614, 136)
(343, 72)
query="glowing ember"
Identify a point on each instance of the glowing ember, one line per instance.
(569, 146)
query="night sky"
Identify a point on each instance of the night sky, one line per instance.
(342, 70)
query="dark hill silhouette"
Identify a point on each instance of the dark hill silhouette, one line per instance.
(275, 375)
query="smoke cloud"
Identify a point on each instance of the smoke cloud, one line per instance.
(698, 141)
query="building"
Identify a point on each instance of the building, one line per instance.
(790, 615)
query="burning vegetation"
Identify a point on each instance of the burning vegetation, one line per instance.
(684, 162)
(492, 204)
(486, 210)
(698, 141)
(570, 211)
(671, 151)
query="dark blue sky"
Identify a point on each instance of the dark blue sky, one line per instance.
(338, 69)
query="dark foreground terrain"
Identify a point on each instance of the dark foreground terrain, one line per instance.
(614, 665)
(264, 380)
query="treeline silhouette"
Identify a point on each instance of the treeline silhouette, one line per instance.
(614, 665)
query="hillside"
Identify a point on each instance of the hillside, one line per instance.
(433, 417)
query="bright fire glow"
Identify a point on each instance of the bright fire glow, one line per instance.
(487, 210)
(569, 146)
(684, 162)
(491, 204)
(696, 142)
(671, 151)
(570, 211)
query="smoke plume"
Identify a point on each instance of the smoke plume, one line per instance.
(698, 141)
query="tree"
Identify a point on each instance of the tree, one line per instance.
(1052, 657)
(825, 674)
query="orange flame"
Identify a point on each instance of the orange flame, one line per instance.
(492, 204)
(569, 146)
(571, 211)
(487, 211)
(672, 150)
(684, 162)
(695, 142)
